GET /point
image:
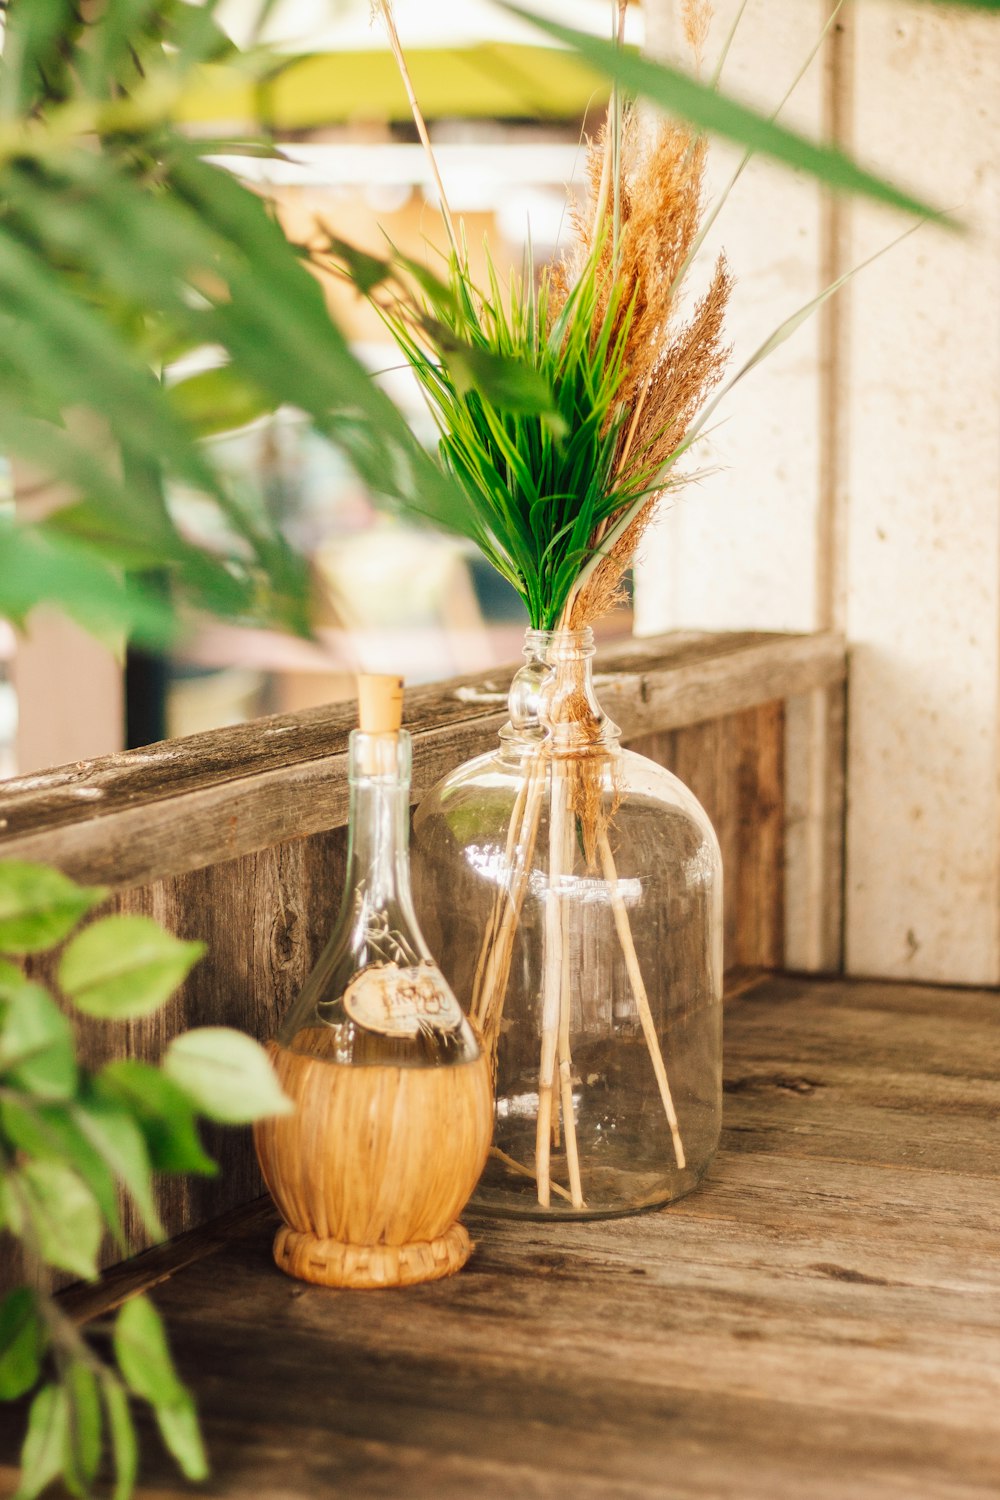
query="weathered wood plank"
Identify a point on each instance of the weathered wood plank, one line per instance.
(734, 766)
(806, 1324)
(815, 750)
(132, 818)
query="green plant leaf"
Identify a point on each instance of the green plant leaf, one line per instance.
(701, 105)
(125, 966)
(178, 1424)
(48, 1132)
(143, 1354)
(11, 977)
(22, 1343)
(368, 272)
(46, 1443)
(219, 400)
(39, 906)
(507, 383)
(37, 1051)
(124, 1446)
(227, 1074)
(115, 1135)
(64, 1216)
(163, 1112)
(85, 1425)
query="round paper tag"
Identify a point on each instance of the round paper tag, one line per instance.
(402, 1002)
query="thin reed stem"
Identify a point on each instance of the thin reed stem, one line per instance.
(523, 1171)
(552, 980)
(385, 8)
(487, 1008)
(502, 896)
(565, 1017)
(615, 123)
(624, 929)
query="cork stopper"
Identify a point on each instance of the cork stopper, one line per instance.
(380, 704)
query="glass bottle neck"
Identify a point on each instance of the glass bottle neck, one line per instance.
(552, 698)
(378, 870)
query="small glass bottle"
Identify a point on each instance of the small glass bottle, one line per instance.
(392, 1090)
(572, 892)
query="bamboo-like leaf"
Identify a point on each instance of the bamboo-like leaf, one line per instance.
(143, 1354)
(85, 1424)
(41, 566)
(698, 103)
(178, 1424)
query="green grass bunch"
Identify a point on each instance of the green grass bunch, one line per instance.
(537, 476)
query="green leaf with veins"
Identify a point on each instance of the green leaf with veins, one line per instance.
(49, 1133)
(227, 1074)
(143, 1354)
(22, 1342)
(37, 1051)
(85, 1426)
(46, 1444)
(113, 1132)
(58, 1212)
(125, 966)
(124, 1447)
(178, 1424)
(39, 906)
(163, 1112)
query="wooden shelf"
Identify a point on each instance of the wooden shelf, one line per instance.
(237, 837)
(821, 1319)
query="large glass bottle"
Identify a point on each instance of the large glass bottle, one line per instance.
(392, 1090)
(572, 893)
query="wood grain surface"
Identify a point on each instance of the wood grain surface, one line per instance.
(166, 813)
(184, 804)
(821, 1319)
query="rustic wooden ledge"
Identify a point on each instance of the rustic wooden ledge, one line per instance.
(821, 1319)
(237, 837)
(189, 803)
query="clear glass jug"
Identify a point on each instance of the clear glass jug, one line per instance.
(571, 891)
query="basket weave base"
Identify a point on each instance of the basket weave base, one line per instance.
(332, 1263)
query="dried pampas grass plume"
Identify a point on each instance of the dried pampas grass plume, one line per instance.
(672, 365)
